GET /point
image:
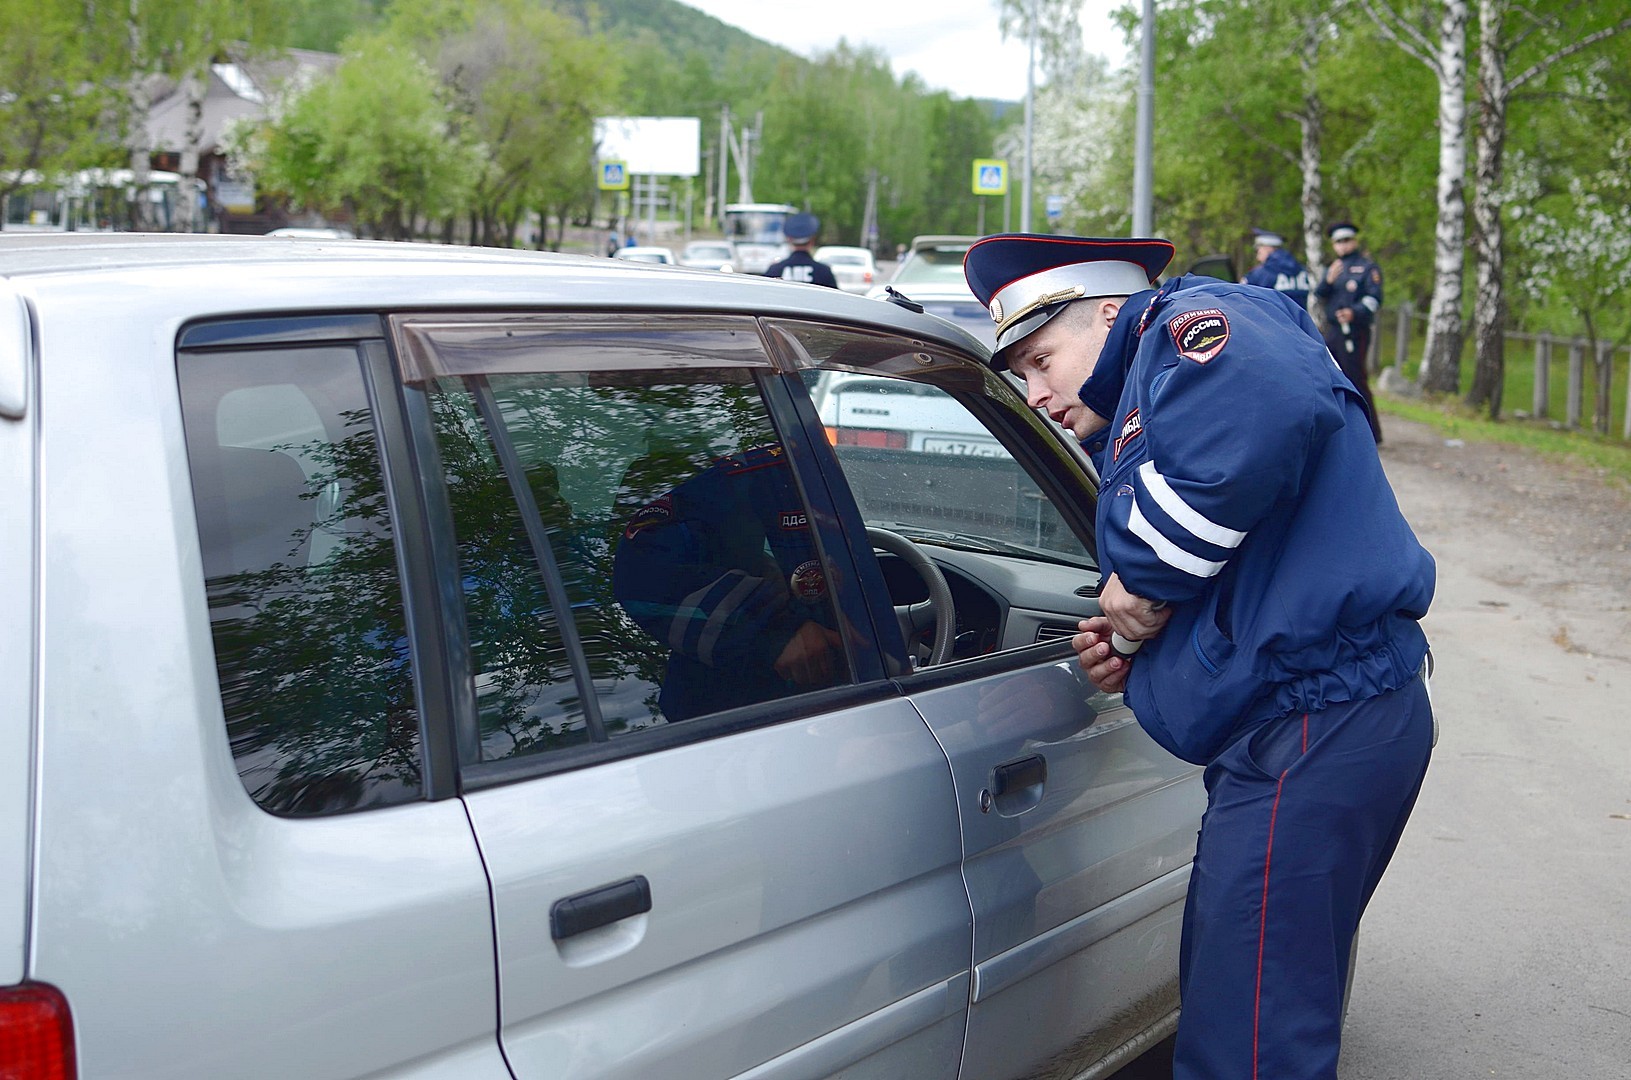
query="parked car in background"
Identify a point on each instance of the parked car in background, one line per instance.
(708, 255)
(646, 255)
(931, 274)
(852, 266)
(396, 682)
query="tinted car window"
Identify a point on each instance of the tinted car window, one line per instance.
(301, 575)
(659, 502)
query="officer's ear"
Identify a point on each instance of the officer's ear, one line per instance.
(1107, 308)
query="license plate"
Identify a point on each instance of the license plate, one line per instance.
(971, 447)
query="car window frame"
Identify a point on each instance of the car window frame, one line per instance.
(364, 332)
(445, 595)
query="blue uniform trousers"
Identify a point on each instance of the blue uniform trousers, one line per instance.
(1303, 814)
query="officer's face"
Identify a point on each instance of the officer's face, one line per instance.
(1056, 360)
(1344, 247)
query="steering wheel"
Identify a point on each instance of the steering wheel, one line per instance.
(937, 610)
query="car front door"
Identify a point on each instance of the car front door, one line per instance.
(1078, 830)
(720, 841)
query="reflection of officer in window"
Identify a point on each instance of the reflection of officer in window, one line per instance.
(800, 230)
(722, 569)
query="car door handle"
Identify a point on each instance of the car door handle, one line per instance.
(1016, 786)
(599, 907)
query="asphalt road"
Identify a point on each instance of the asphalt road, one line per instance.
(1499, 943)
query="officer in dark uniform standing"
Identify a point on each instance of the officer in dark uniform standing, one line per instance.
(1277, 269)
(800, 231)
(1249, 542)
(1352, 293)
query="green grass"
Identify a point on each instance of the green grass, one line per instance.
(1609, 457)
(1608, 454)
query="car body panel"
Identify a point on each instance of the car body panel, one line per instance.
(17, 729)
(368, 934)
(810, 864)
(1055, 887)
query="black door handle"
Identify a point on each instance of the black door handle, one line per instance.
(599, 907)
(1016, 786)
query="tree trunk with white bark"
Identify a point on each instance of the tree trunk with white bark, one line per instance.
(1441, 361)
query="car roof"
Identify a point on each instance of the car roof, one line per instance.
(174, 278)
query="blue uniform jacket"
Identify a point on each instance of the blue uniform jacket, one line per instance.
(1282, 273)
(1241, 485)
(1358, 286)
(723, 570)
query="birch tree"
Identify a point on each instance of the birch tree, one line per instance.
(1446, 57)
(1504, 29)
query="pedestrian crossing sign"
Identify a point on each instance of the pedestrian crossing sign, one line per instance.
(990, 176)
(614, 176)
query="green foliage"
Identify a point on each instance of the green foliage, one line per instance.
(377, 140)
(56, 95)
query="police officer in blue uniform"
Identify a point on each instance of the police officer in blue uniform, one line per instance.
(800, 231)
(1352, 294)
(1277, 269)
(722, 570)
(1250, 543)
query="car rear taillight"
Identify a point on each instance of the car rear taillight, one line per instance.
(866, 276)
(36, 1033)
(892, 440)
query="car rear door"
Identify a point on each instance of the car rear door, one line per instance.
(1078, 830)
(699, 867)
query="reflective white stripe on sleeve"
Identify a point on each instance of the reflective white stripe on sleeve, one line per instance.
(1370, 302)
(1166, 550)
(1198, 524)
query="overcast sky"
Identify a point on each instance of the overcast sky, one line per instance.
(952, 44)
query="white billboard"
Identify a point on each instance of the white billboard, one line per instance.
(651, 145)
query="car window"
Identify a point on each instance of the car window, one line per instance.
(919, 460)
(306, 612)
(933, 265)
(639, 506)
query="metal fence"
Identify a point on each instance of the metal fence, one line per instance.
(1553, 356)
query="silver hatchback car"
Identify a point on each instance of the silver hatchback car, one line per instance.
(428, 662)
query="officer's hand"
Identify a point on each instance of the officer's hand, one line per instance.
(1333, 271)
(1105, 670)
(1133, 617)
(1345, 314)
(809, 658)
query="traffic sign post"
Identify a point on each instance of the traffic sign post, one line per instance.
(990, 176)
(614, 176)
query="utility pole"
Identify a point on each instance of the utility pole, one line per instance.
(1144, 134)
(869, 216)
(724, 159)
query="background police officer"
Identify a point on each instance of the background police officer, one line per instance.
(1352, 292)
(1248, 539)
(1277, 269)
(801, 230)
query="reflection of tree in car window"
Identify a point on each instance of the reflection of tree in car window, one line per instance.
(313, 657)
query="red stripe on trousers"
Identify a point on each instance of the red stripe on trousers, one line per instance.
(1263, 917)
